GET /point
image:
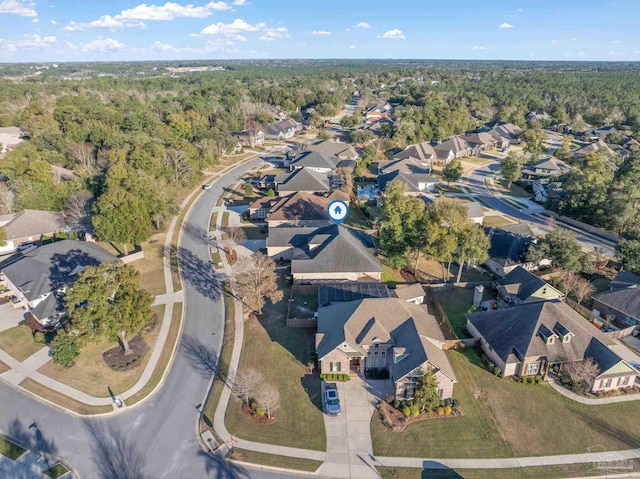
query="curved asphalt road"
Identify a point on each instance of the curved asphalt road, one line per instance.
(156, 438)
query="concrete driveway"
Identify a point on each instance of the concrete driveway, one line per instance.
(10, 316)
(349, 449)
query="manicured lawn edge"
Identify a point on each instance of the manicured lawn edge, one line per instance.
(56, 471)
(533, 472)
(18, 342)
(213, 397)
(165, 358)
(3, 367)
(244, 456)
(61, 400)
(10, 449)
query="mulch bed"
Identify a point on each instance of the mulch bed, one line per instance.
(118, 361)
(395, 421)
(264, 420)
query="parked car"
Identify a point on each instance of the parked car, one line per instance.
(207, 186)
(332, 402)
(23, 246)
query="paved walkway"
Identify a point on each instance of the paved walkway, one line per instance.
(593, 401)
(10, 316)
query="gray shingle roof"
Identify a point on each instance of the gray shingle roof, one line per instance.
(339, 250)
(333, 148)
(316, 159)
(302, 206)
(528, 283)
(26, 223)
(42, 269)
(507, 248)
(624, 279)
(626, 300)
(407, 170)
(403, 324)
(303, 179)
(423, 152)
(513, 333)
(411, 291)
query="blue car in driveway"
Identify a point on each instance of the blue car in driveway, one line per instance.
(332, 403)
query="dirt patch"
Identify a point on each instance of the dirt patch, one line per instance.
(264, 420)
(118, 361)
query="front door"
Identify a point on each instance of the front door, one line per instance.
(354, 365)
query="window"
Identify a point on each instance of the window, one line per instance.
(440, 393)
(625, 380)
(532, 368)
(606, 383)
(335, 367)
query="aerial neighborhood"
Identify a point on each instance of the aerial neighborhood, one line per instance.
(478, 284)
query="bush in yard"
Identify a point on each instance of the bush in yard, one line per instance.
(496, 370)
(406, 411)
(260, 412)
(323, 375)
(415, 412)
(347, 377)
(440, 411)
(447, 410)
(253, 405)
(396, 404)
(64, 349)
(39, 338)
(455, 404)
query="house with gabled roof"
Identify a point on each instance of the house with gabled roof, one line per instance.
(329, 253)
(544, 168)
(302, 209)
(378, 110)
(621, 302)
(408, 171)
(508, 247)
(541, 337)
(521, 286)
(344, 151)
(38, 276)
(30, 226)
(384, 333)
(481, 141)
(252, 137)
(537, 115)
(504, 133)
(320, 161)
(422, 152)
(456, 145)
(306, 180)
(597, 146)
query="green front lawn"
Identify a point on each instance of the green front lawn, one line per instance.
(273, 460)
(254, 232)
(538, 472)
(501, 186)
(18, 342)
(56, 471)
(508, 419)
(280, 354)
(456, 304)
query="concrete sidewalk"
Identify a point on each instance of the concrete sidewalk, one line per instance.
(593, 401)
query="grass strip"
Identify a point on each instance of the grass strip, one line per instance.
(3, 367)
(534, 472)
(56, 471)
(63, 400)
(10, 450)
(225, 219)
(163, 362)
(274, 460)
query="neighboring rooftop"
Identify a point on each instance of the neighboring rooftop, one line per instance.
(302, 206)
(423, 152)
(507, 248)
(626, 300)
(406, 170)
(316, 159)
(333, 147)
(303, 179)
(523, 283)
(408, 292)
(624, 279)
(27, 223)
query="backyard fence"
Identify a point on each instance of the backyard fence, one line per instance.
(308, 320)
(442, 318)
(460, 343)
(302, 323)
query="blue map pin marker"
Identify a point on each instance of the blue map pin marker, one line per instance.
(338, 211)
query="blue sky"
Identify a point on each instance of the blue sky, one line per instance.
(82, 30)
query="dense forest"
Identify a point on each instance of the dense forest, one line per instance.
(136, 137)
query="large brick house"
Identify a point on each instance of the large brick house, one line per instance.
(383, 333)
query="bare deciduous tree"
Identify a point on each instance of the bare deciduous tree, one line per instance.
(568, 280)
(583, 289)
(581, 373)
(6, 198)
(84, 154)
(247, 384)
(77, 210)
(269, 398)
(236, 235)
(257, 280)
(178, 162)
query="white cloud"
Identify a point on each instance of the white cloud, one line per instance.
(136, 16)
(363, 25)
(615, 42)
(614, 53)
(240, 3)
(478, 47)
(395, 34)
(573, 39)
(520, 10)
(505, 25)
(237, 26)
(320, 32)
(165, 47)
(18, 7)
(53, 22)
(102, 45)
(271, 34)
(353, 47)
(347, 29)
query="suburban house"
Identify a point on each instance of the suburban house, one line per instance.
(422, 152)
(475, 213)
(411, 293)
(329, 253)
(377, 111)
(251, 138)
(456, 145)
(601, 133)
(319, 161)
(302, 209)
(343, 151)
(303, 179)
(598, 146)
(545, 167)
(408, 171)
(521, 286)
(505, 134)
(481, 141)
(259, 209)
(39, 275)
(383, 333)
(621, 304)
(508, 247)
(10, 136)
(339, 292)
(376, 127)
(535, 116)
(631, 144)
(29, 225)
(539, 338)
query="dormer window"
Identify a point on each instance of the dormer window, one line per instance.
(563, 333)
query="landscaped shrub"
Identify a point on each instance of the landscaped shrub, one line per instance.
(39, 338)
(496, 370)
(347, 377)
(455, 404)
(415, 412)
(440, 411)
(65, 350)
(406, 411)
(323, 375)
(403, 404)
(253, 405)
(396, 404)
(447, 410)
(260, 412)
